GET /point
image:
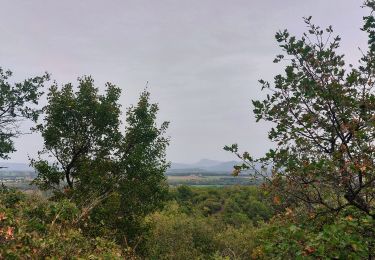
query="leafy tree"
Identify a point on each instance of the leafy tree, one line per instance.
(77, 128)
(324, 124)
(140, 164)
(17, 102)
(115, 178)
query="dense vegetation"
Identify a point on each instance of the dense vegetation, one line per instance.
(210, 180)
(105, 190)
(195, 223)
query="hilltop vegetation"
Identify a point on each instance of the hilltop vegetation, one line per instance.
(195, 223)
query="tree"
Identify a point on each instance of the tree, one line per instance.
(115, 178)
(139, 167)
(17, 102)
(324, 124)
(78, 127)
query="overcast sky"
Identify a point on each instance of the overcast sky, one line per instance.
(202, 58)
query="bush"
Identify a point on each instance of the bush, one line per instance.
(343, 237)
(177, 235)
(32, 227)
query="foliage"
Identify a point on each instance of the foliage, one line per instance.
(230, 205)
(342, 237)
(139, 181)
(184, 230)
(105, 172)
(32, 227)
(207, 179)
(322, 178)
(203, 223)
(17, 102)
(177, 235)
(78, 128)
(323, 116)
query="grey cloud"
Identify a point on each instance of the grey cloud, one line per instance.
(203, 58)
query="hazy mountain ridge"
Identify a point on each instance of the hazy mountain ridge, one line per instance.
(16, 167)
(204, 165)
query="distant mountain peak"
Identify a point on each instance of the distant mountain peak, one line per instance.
(206, 165)
(11, 166)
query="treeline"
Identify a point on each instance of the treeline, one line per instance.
(213, 181)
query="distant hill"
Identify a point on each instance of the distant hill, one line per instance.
(204, 165)
(207, 163)
(222, 166)
(17, 167)
(207, 167)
